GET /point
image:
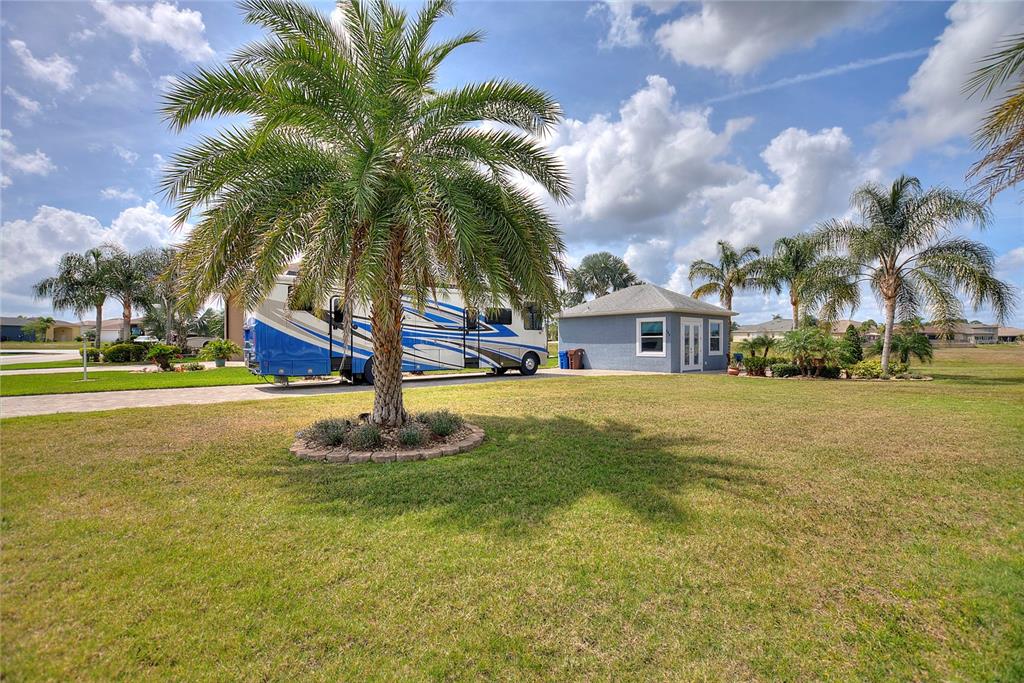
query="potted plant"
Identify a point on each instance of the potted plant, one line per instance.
(734, 368)
(219, 351)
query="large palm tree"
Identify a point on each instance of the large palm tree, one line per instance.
(814, 279)
(1001, 134)
(354, 163)
(131, 279)
(735, 270)
(81, 284)
(902, 247)
(598, 274)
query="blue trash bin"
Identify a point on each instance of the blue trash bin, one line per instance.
(563, 360)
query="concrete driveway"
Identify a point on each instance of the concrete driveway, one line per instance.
(20, 406)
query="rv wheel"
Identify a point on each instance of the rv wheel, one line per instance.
(368, 371)
(530, 364)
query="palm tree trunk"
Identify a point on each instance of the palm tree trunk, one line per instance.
(99, 325)
(795, 303)
(126, 321)
(890, 321)
(727, 299)
(386, 318)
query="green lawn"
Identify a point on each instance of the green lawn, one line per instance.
(58, 364)
(113, 380)
(643, 528)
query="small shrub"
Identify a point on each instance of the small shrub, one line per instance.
(219, 349)
(328, 433)
(756, 366)
(412, 434)
(192, 367)
(92, 353)
(161, 354)
(867, 369)
(364, 437)
(830, 372)
(784, 370)
(441, 422)
(125, 353)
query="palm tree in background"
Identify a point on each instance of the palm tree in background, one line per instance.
(735, 270)
(908, 344)
(814, 279)
(354, 163)
(597, 275)
(1001, 134)
(81, 284)
(130, 280)
(902, 248)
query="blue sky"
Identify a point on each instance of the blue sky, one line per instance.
(685, 122)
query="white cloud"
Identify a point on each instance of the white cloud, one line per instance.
(30, 248)
(136, 57)
(934, 108)
(5, 181)
(55, 69)
(180, 29)
(127, 195)
(126, 154)
(86, 34)
(645, 164)
(29, 163)
(657, 184)
(26, 103)
(739, 36)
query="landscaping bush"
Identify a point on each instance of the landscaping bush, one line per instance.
(872, 369)
(125, 353)
(192, 367)
(755, 366)
(161, 354)
(412, 434)
(219, 349)
(327, 433)
(784, 370)
(92, 353)
(441, 422)
(364, 437)
(830, 372)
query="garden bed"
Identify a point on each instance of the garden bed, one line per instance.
(424, 437)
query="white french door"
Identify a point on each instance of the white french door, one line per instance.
(690, 348)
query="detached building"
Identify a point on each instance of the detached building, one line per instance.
(647, 328)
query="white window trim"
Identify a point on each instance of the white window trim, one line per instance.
(721, 337)
(664, 337)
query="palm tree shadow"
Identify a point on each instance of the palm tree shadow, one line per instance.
(526, 470)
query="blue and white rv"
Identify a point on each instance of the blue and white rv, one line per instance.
(446, 335)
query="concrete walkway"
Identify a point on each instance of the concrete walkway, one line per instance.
(39, 357)
(19, 406)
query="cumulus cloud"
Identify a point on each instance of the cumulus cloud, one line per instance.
(646, 163)
(180, 29)
(28, 163)
(657, 185)
(55, 70)
(127, 155)
(934, 109)
(30, 248)
(127, 195)
(737, 37)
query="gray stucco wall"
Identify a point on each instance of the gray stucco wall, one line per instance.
(609, 342)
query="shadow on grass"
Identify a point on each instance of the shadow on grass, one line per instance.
(527, 469)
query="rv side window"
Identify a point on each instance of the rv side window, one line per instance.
(472, 318)
(532, 319)
(337, 313)
(499, 316)
(307, 308)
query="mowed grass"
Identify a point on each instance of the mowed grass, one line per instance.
(35, 346)
(114, 380)
(643, 528)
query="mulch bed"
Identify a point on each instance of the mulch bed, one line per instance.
(465, 438)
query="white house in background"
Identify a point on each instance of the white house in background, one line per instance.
(1011, 334)
(111, 330)
(780, 326)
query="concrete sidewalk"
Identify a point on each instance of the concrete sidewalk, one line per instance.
(39, 357)
(20, 406)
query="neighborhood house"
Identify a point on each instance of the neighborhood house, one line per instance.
(647, 328)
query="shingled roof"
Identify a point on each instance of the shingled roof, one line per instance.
(643, 298)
